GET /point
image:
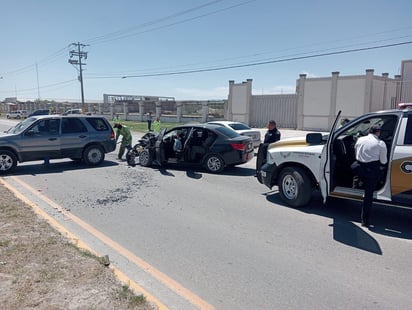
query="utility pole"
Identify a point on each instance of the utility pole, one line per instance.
(78, 62)
(38, 87)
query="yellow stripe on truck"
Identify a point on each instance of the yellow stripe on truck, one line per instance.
(300, 142)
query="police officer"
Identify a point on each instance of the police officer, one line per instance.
(126, 138)
(370, 153)
(273, 134)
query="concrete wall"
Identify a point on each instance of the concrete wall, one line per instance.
(281, 108)
(316, 104)
(406, 86)
(238, 108)
(257, 110)
(350, 96)
(320, 99)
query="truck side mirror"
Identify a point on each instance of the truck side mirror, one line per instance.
(314, 138)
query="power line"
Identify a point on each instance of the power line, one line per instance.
(120, 34)
(133, 72)
(42, 62)
(41, 87)
(263, 62)
(170, 24)
(105, 37)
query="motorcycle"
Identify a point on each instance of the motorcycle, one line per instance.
(133, 153)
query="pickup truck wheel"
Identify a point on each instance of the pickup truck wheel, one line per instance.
(295, 187)
(8, 161)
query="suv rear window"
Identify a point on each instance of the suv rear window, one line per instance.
(72, 125)
(98, 124)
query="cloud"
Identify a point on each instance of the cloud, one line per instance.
(309, 75)
(201, 94)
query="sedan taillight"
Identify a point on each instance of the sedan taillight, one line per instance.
(112, 136)
(238, 146)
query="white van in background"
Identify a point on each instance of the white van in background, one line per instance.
(73, 111)
(17, 114)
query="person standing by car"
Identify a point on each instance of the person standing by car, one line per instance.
(149, 121)
(126, 138)
(177, 144)
(273, 134)
(370, 153)
(157, 126)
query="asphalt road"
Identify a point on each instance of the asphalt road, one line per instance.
(199, 240)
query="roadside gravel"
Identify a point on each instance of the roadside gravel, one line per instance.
(40, 269)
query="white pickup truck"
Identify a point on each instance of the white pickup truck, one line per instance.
(298, 166)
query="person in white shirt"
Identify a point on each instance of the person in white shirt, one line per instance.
(371, 154)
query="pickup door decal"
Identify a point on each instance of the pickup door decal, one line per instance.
(401, 176)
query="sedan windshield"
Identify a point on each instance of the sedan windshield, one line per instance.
(20, 127)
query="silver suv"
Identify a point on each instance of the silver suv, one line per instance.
(79, 137)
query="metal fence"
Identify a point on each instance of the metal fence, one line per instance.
(281, 108)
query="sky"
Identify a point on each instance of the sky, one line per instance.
(191, 49)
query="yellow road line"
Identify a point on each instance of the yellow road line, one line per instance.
(121, 276)
(160, 276)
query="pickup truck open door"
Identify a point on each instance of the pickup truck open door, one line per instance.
(325, 161)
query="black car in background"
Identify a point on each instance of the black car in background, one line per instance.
(40, 112)
(211, 146)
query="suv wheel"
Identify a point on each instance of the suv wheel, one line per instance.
(93, 155)
(8, 161)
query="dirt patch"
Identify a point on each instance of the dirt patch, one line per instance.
(40, 269)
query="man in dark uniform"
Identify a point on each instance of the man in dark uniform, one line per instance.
(273, 134)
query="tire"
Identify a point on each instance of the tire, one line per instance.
(145, 158)
(295, 186)
(93, 155)
(214, 163)
(8, 161)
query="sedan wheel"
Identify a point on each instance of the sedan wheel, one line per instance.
(145, 159)
(8, 161)
(93, 155)
(214, 164)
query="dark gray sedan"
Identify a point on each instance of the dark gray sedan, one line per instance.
(211, 146)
